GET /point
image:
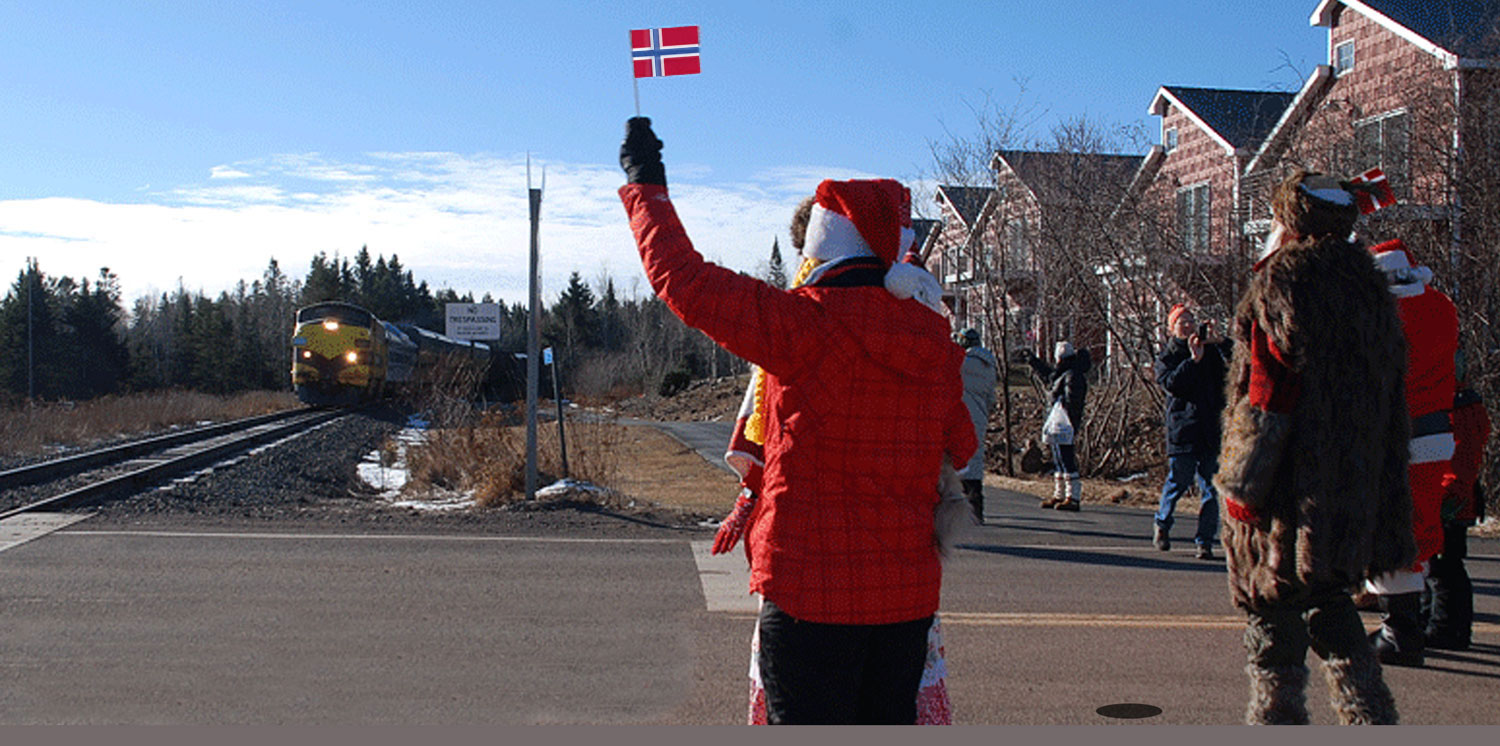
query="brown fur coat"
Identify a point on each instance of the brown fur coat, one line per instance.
(1328, 479)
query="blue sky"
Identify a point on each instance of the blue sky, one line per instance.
(197, 140)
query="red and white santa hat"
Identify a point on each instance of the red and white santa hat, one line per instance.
(1405, 276)
(870, 217)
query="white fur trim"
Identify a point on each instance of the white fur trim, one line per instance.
(831, 236)
(1429, 448)
(1392, 261)
(908, 239)
(1398, 581)
(910, 281)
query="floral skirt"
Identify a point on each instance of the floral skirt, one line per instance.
(933, 707)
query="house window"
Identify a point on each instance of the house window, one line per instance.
(1382, 142)
(1169, 139)
(1193, 218)
(1016, 244)
(1343, 58)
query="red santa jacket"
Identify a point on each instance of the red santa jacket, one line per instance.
(864, 398)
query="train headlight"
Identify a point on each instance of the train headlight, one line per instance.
(331, 325)
(352, 357)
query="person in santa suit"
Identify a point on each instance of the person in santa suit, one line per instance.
(1430, 323)
(863, 396)
(1448, 602)
(1312, 471)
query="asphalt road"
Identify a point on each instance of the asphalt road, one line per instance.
(1047, 617)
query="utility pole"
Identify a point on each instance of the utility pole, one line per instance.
(533, 332)
(30, 361)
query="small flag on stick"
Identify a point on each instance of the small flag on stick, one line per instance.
(1373, 192)
(657, 52)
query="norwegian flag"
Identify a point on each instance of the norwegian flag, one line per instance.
(656, 52)
(1375, 192)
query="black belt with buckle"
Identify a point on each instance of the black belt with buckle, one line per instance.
(1431, 424)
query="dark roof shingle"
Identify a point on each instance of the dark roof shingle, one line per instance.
(1467, 28)
(1243, 118)
(1062, 177)
(967, 200)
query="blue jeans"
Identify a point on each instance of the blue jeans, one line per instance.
(1064, 460)
(1181, 472)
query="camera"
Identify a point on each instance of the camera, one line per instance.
(1203, 332)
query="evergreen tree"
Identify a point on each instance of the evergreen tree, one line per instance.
(776, 274)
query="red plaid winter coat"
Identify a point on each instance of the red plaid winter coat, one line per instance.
(864, 397)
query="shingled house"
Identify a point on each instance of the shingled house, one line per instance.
(1007, 254)
(1411, 88)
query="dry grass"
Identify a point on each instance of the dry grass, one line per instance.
(30, 431)
(657, 467)
(488, 457)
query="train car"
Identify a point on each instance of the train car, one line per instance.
(340, 354)
(440, 359)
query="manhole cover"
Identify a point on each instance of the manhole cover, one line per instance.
(1129, 711)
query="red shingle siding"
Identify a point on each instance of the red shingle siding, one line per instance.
(1198, 158)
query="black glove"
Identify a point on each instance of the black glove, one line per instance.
(640, 154)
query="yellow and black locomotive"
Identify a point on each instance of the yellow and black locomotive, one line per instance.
(342, 354)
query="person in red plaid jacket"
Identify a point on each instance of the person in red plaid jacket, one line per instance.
(864, 397)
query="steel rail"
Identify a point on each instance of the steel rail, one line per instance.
(45, 470)
(145, 477)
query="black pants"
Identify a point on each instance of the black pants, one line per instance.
(840, 674)
(1448, 601)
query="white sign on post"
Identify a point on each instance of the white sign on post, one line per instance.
(474, 321)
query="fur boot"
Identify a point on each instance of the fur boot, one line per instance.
(1278, 695)
(1358, 692)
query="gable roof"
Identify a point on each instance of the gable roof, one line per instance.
(923, 229)
(1238, 119)
(1058, 177)
(1295, 115)
(1449, 29)
(966, 201)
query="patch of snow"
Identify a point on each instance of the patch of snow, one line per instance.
(563, 486)
(1133, 477)
(390, 479)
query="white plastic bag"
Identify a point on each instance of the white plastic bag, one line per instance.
(1058, 429)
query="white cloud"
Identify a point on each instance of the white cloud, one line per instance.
(455, 220)
(226, 172)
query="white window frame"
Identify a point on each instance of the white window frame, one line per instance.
(1401, 184)
(1169, 139)
(1338, 67)
(1196, 235)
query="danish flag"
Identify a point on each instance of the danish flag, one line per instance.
(1375, 192)
(656, 52)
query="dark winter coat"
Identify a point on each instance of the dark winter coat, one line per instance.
(1195, 396)
(1313, 468)
(1068, 382)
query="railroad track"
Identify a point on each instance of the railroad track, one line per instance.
(89, 477)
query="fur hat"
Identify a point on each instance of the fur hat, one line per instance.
(1314, 205)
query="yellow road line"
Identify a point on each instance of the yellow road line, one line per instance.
(1141, 621)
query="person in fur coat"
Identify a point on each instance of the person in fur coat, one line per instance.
(1313, 467)
(865, 403)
